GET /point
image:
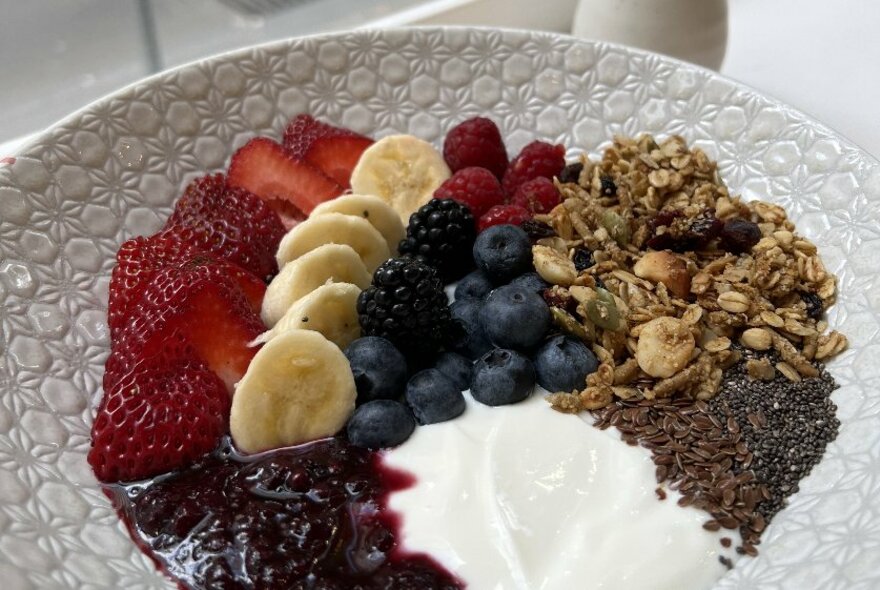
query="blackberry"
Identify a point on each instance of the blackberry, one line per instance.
(406, 304)
(441, 233)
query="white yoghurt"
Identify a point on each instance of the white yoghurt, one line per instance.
(523, 497)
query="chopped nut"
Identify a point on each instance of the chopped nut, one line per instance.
(700, 283)
(756, 339)
(792, 357)
(665, 346)
(553, 266)
(568, 403)
(692, 315)
(593, 398)
(626, 372)
(733, 302)
(624, 392)
(760, 369)
(667, 268)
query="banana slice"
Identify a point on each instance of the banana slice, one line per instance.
(374, 210)
(330, 309)
(298, 388)
(333, 263)
(402, 170)
(334, 228)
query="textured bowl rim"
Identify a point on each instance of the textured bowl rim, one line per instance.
(269, 45)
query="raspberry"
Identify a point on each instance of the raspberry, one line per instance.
(538, 195)
(476, 142)
(503, 214)
(539, 158)
(442, 233)
(475, 187)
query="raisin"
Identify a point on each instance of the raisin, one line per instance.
(704, 228)
(697, 232)
(583, 259)
(815, 308)
(681, 234)
(608, 188)
(571, 172)
(662, 240)
(739, 235)
(537, 229)
(555, 297)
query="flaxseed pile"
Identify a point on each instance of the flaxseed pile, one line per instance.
(739, 455)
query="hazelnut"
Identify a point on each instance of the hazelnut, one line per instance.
(667, 268)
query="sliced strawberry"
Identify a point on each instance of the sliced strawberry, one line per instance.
(291, 187)
(337, 156)
(139, 259)
(161, 416)
(229, 222)
(301, 132)
(195, 305)
(334, 150)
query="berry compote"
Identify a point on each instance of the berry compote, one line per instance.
(307, 517)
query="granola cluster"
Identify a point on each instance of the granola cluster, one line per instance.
(660, 270)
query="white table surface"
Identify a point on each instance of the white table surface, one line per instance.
(822, 57)
(818, 56)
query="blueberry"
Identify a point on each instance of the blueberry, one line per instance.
(458, 368)
(503, 252)
(476, 285)
(563, 363)
(433, 397)
(475, 342)
(379, 369)
(502, 377)
(379, 424)
(515, 317)
(531, 281)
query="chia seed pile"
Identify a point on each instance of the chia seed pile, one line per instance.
(740, 455)
(790, 426)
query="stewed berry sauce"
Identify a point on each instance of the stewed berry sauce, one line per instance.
(308, 517)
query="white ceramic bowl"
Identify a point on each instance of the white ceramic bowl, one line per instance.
(112, 171)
